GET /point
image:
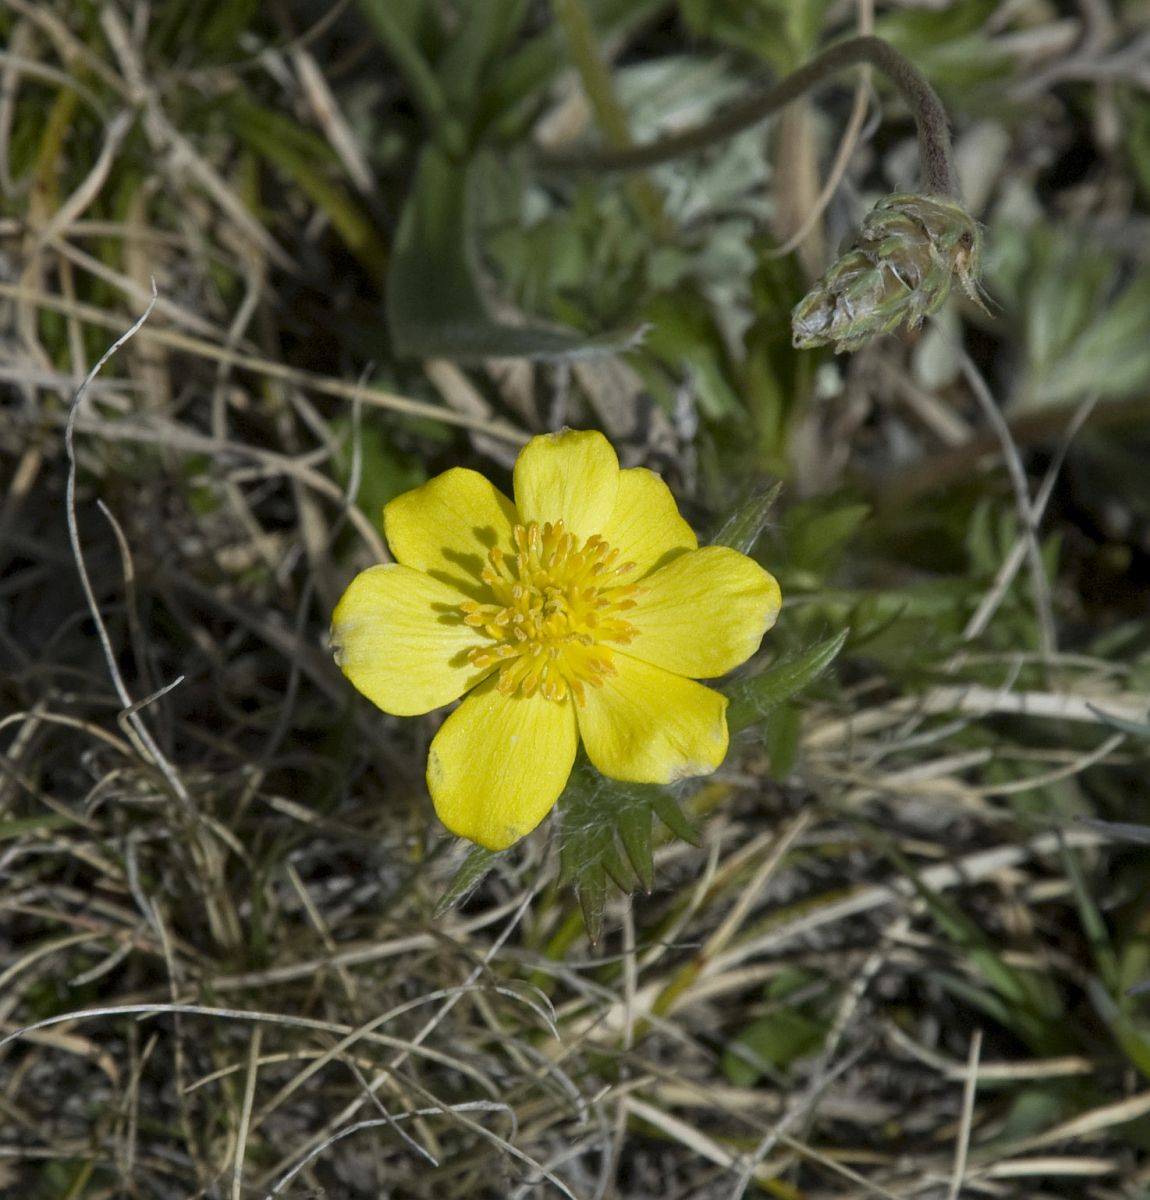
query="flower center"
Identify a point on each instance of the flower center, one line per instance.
(555, 605)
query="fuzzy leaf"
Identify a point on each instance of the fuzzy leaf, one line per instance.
(471, 872)
(754, 698)
(607, 836)
(742, 528)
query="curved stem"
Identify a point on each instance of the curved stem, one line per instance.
(939, 177)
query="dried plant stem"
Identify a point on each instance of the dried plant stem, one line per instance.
(939, 177)
(135, 725)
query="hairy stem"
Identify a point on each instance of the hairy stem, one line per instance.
(939, 176)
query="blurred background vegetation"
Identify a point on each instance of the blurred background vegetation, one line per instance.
(905, 958)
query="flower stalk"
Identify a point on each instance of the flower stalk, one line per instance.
(936, 161)
(911, 248)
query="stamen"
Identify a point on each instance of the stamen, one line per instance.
(553, 613)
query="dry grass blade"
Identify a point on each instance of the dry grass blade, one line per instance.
(131, 708)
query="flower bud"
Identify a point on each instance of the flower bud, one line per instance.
(898, 271)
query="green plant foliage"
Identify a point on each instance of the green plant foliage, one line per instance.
(951, 45)
(606, 835)
(779, 380)
(923, 832)
(770, 1045)
(1080, 312)
(780, 33)
(477, 862)
(383, 472)
(434, 304)
(684, 336)
(1020, 998)
(302, 156)
(815, 535)
(1136, 126)
(761, 694)
(743, 528)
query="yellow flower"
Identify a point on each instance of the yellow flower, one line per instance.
(585, 610)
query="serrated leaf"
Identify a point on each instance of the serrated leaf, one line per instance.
(754, 698)
(471, 872)
(742, 528)
(435, 308)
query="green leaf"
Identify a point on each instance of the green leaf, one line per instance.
(950, 45)
(771, 1044)
(606, 835)
(634, 825)
(742, 528)
(782, 740)
(1023, 1000)
(1136, 125)
(685, 335)
(18, 827)
(483, 37)
(434, 305)
(302, 157)
(1082, 316)
(754, 698)
(518, 75)
(668, 811)
(384, 471)
(478, 862)
(816, 534)
(1093, 924)
(779, 380)
(396, 25)
(591, 890)
(1126, 1031)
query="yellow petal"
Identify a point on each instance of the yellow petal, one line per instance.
(498, 764)
(399, 637)
(447, 526)
(572, 475)
(646, 725)
(704, 613)
(646, 527)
